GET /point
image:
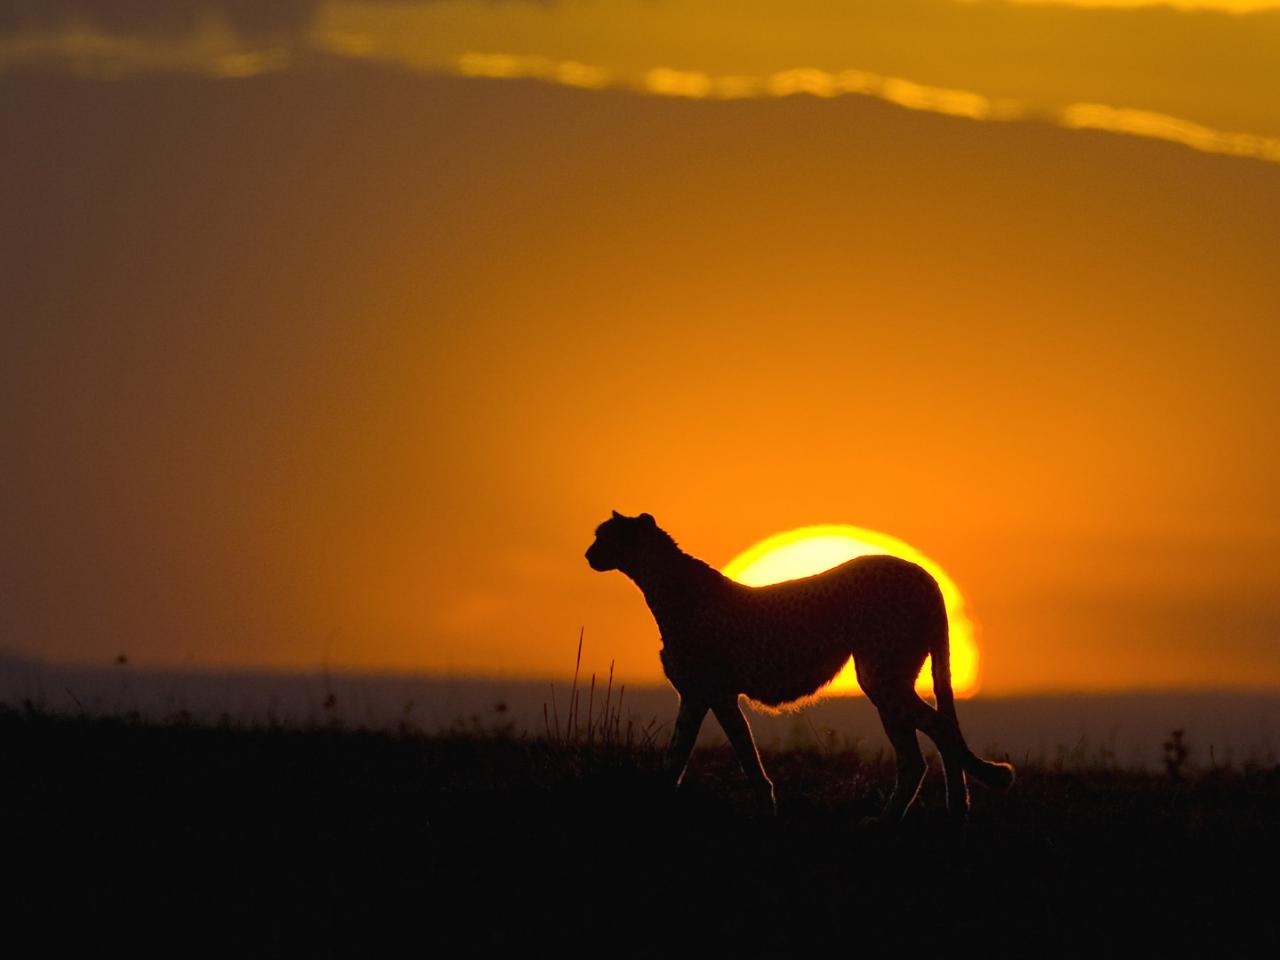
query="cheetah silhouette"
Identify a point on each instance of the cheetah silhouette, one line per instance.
(780, 643)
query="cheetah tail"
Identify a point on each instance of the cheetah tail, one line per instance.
(994, 776)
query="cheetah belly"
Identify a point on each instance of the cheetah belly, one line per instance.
(787, 666)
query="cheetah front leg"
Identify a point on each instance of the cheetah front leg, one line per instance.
(736, 728)
(688, 722)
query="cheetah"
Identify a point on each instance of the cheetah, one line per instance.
(778, 644)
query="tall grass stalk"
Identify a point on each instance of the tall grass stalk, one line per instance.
(603, 722)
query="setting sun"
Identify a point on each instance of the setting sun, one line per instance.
(810, 550)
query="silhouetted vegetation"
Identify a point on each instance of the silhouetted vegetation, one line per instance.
(333, 841)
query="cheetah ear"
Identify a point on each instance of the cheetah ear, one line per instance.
(618, 516)
(647, 518)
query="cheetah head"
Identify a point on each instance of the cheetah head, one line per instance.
(620, 540)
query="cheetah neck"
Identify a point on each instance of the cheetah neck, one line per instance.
(672, 585)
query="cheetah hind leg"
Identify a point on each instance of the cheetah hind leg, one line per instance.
(959, 762)
(957, 788)
(910, 762)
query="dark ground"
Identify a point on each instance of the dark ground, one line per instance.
(251, 842)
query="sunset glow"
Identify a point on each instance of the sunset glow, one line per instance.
(810, 550)
(339, 325)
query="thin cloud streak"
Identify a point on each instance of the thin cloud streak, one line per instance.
(1145, 123)
(1218, 6)
(692, 84)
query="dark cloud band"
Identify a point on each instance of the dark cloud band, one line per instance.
(249, 18)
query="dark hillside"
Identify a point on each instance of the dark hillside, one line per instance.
(324, 842)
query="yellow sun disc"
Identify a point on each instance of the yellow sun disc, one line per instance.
(810, 550)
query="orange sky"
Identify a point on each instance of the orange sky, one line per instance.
(337, 355)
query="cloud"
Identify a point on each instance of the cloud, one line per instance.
(250, 19)
(1140, 94)
(508, 66)
(1145, 123)
(696, 85)
(254, 20)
